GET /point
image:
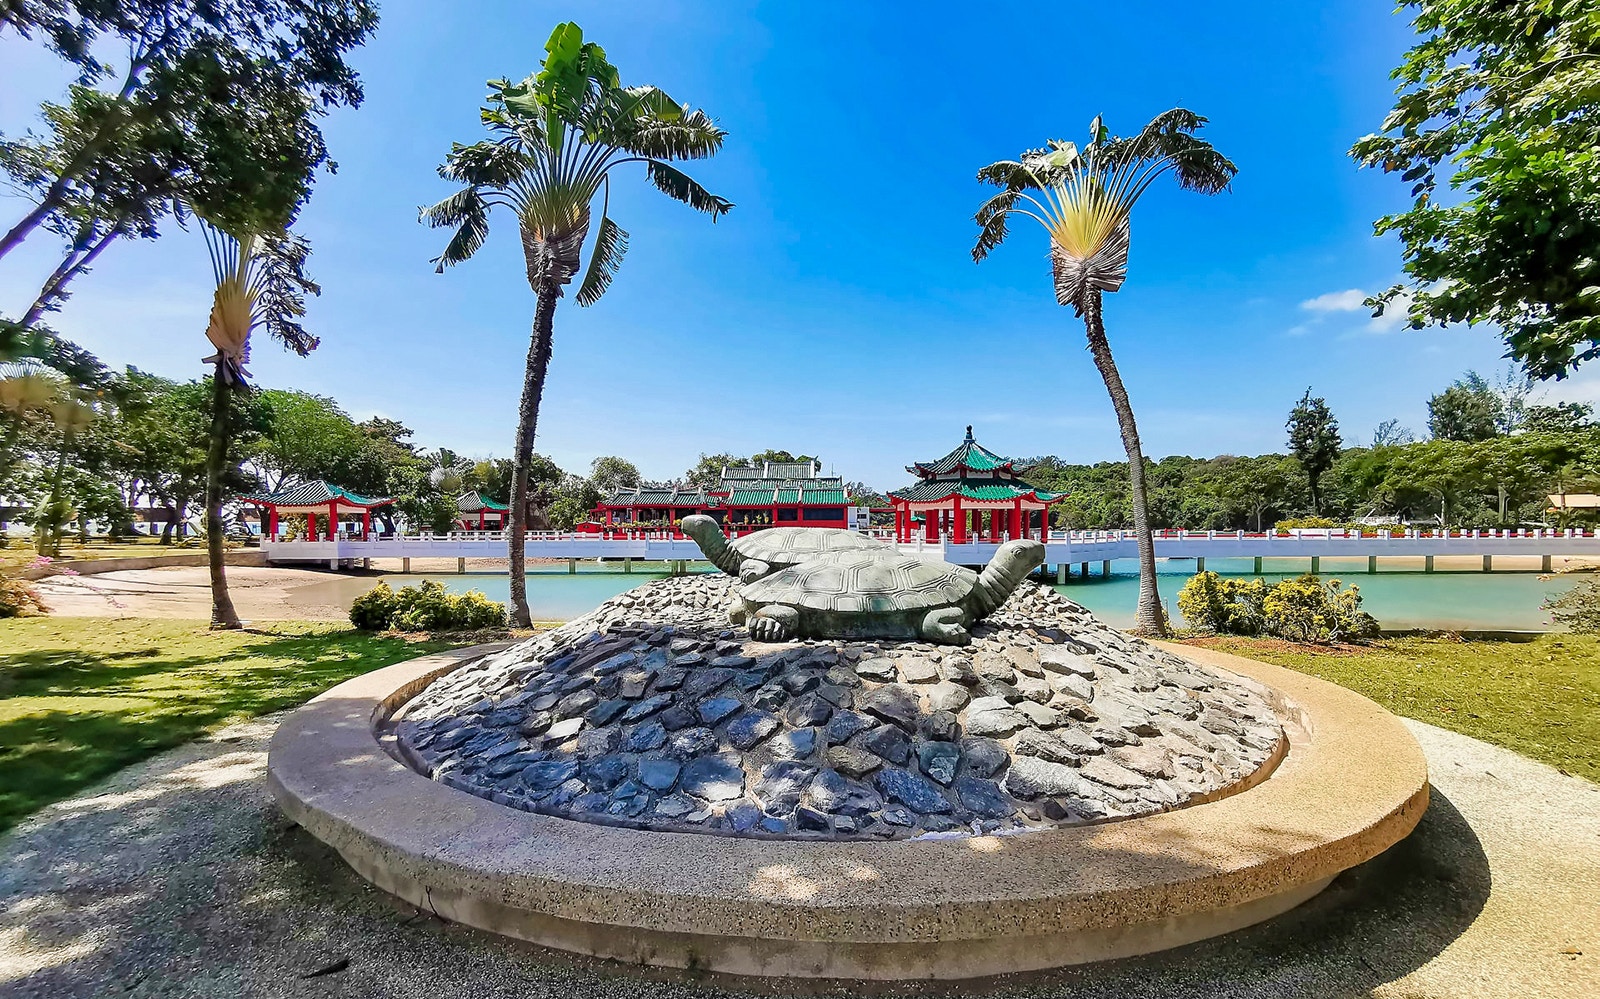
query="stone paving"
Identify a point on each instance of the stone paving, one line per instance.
(653, 712)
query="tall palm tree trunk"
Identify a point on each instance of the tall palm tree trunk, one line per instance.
(522, 455)
(222, 613)
(1151, 620)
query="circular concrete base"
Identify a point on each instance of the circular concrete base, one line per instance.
(1352, 784)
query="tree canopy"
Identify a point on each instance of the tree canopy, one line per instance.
(1314, 439)
(1496, 126)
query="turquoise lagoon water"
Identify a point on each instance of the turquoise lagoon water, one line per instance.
(1500, 601)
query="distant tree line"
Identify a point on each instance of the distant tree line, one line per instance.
(1490, 460)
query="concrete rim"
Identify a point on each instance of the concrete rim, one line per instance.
(1353, 783)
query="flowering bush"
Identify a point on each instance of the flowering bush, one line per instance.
(19, 599)
(1302, 610)
(425, 607)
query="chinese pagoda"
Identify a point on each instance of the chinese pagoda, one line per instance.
(781, 494)
(321, 502)
(474, 509)
(972, 494)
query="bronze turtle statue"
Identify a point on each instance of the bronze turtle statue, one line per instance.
(764, 552)
(864, 594)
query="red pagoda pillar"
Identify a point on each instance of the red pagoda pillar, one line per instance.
(994, 526)
(1016, 519)
(959, 534)
(311, 526)
(272, 522)
(333, 519)
(366, 523)
(930, 523)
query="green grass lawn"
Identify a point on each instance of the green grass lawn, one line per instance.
(1538, 698)
(82, 697)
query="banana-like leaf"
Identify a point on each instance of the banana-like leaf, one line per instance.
(679, 186)
(610, 243)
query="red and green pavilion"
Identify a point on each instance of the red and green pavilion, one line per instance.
(476, 508)
(323, 505)
(972, 494)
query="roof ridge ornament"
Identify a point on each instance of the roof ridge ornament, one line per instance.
(969, 434)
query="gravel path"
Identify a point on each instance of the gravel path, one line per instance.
(180, 878)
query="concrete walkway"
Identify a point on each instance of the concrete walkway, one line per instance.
(180, 878)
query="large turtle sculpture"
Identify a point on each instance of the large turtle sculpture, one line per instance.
(764, 552)
(863, 594)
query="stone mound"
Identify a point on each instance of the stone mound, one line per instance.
(653, 712)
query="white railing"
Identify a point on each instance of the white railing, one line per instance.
(1062, 546)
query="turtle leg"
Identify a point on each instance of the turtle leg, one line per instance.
(774, 623)
(752, 569)
(947, 625)
(739, 610)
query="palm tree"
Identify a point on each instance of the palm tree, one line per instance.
(260, 284)
(556, 137)
(1085, 199)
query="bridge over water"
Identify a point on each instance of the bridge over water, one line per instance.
(1062, 549)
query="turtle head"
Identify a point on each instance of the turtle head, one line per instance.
(1009, 567)
(707, 533)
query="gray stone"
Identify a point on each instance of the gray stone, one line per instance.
(915, 669)
(985, 757)
(606, 772)
(994, 716)
(633, 685)
(899, 815)
(990, 687)
(563, 730)
(1104, 771)
(1024, 661)
(983, 797)
(1072, 685)
(1034, 690)
(704, 681)
(853, 762)
(993, 666)
(877, 669)
(1034, 778)
(548, 774)
(957, 668)
(751, 727)
(911, 790)
(674, 806)
(577, 703)
(743, 817)
(594, 742)
(606, 712)
(650, 735)
(888, 742)
(939, 760)
(941, 725)
(846, 724)
(832, 792)
(647, 707)
(658, 775)
(1032, 742)
(1040, 715)
(718, 708)
(1059, 659)
(795, 744)
(718, 777)
(693, 742)
(809, 710)
(811, 820)
(947, 696)
(675, 718)
(782, 785)
(894, 703)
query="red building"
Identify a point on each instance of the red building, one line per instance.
(321, 503)
(972, 494)
(782, 494)
(477, 512)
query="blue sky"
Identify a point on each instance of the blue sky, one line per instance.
(837, 310)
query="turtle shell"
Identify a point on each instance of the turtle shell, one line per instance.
(864, 582)
(788, 545)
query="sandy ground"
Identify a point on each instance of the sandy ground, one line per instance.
(185, 592)
(179, 877)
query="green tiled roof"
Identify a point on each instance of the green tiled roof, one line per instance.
(815, 497)
(317, 492)
(969, 455)
(654, 496)
(474, 501)
(932, 491)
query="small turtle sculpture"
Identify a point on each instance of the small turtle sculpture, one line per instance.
(861, 594)
(764, 552)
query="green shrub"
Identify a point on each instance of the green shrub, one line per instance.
(1578, 608)
(19, 599)
(1301, 610)
(425, 607)
(374, 609)
(1294, 522)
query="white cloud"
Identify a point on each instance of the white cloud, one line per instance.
(1394, 315)
(1336, 301)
